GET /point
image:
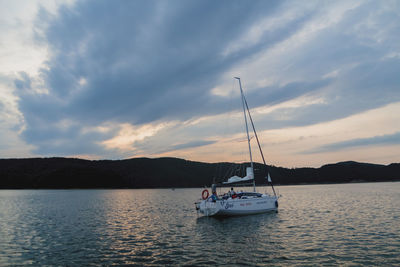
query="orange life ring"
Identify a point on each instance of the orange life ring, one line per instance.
(204, 194)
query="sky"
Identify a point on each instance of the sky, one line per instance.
(122, 79)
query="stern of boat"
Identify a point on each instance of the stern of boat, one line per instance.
(207, 208)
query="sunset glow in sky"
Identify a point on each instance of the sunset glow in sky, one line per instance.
(121, 79)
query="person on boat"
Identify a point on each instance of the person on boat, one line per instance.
(214, 189)
(214, 196)
(232, 192)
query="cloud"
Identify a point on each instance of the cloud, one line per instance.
(147, 63)
(353, 68)
(388, 139)
(193, 144)
(11, 123)
(140, 61)
(155, 61)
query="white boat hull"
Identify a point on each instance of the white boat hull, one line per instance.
(236, 206)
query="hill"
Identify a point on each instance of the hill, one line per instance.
(171, 172)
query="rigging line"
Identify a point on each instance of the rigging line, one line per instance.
(231, 170)
(247, 130)
(258, 142)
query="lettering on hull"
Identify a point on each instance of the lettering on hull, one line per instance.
(228, 205)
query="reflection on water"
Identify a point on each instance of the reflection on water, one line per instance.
(319, 224)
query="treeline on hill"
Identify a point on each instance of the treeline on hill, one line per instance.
(171, 173)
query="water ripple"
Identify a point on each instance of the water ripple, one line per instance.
(356, 224)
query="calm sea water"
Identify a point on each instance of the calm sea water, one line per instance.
(349, 224)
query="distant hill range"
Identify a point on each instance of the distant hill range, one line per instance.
(172, 173)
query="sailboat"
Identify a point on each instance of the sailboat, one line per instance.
(242, 203)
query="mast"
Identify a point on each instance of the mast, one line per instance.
(247, 131)
(258, 142)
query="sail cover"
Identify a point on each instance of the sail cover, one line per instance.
(236, 179)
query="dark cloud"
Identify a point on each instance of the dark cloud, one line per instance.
(23, 82)
(362, 58)
(389, 139)
(192, 144)
(142, 60)
(132, 61)
(368, 86)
